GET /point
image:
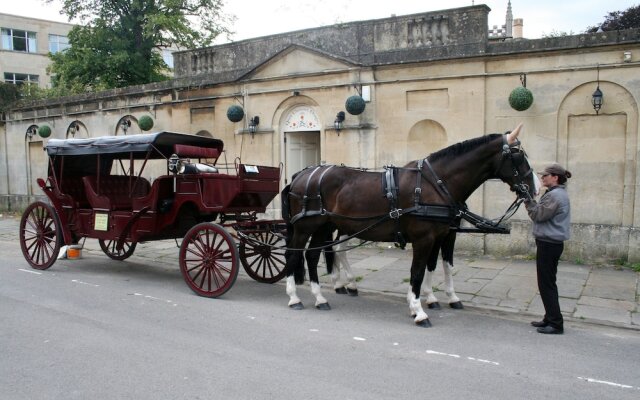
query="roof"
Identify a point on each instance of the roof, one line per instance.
(163, 142)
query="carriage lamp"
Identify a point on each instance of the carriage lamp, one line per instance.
(253, 125)
(597, 97)
(173, 163)
(337, 124)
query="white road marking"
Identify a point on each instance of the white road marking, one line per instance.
(359, 338)
(155, 298)
(619, 385)
(31, 272)
(442, 354)
(483, 361)
(314, 330)
(84, 283)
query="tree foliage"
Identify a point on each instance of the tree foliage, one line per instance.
(117, 41)
(9, 96)
(619, 20)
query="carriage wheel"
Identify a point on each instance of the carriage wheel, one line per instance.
(40, 236)
(209, 260)
(109, 247)
(261, 257)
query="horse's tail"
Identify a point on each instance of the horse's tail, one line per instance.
(329, 254)
(298, 269)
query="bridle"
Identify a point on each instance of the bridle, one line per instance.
(517, 157)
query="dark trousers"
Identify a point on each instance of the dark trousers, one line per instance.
(547, 257)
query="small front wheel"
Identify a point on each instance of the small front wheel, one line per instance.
(262, 256)
(110, 248)
(209, 260)
(40, 237)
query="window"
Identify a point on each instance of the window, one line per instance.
(58, 43)
(167, 56)
(17, 40)
(19, 79)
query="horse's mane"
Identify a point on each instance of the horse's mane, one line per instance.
(462, 147)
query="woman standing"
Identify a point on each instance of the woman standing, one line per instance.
(551, 218)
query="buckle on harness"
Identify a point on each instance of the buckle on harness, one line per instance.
(395, 214)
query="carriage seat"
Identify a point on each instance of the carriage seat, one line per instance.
(71, 192)
(162, 188)
(114, 193)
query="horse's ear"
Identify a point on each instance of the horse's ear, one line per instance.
(513, 136)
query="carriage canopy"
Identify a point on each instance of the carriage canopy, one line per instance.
(139, 145)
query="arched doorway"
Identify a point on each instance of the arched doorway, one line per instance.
(301, 129)
(600, 151)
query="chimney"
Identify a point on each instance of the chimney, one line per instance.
(517, 28)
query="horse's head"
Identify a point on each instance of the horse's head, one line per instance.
(514, 169)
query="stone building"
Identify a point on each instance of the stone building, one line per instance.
(24, 47)
(429, 80)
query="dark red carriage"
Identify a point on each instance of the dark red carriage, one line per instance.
(97, 189)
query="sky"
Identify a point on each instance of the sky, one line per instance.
(265, 17)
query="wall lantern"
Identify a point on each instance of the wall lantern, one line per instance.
(597, 97)
(125, 124)
(32, 131)
(253, 125)
(337, 124)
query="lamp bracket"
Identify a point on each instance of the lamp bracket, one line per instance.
(523, 79)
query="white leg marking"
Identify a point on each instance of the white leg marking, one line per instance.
(416, 308)
(291, 291)
(428, 288)
(448, 282)
(342, 261)
(315, 289)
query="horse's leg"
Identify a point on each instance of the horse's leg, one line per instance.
(313, 256)
(341, 260)
(294, 268)
(447, 267)
(431, 299)
(421, 253)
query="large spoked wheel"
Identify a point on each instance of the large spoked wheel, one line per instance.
(109, 247)
(40, 237)
(209, 260)
(260, 256)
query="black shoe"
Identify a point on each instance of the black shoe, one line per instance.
(550, 330)
(539, 324)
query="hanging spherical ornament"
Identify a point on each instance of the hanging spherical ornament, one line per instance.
(355, 105)
(520, 98)
(235, 113)
(145, 122)
(44, 131)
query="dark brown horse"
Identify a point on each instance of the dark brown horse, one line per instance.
(415, 204)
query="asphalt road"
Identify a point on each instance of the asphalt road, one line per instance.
(102, 329)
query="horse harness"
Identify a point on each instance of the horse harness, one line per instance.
(451, 213)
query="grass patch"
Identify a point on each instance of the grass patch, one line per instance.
(359, 278)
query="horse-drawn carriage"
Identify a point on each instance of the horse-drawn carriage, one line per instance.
(97, 189)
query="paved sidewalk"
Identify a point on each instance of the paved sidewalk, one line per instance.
(588, 293)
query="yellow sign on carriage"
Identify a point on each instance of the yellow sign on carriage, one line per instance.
(101, 222)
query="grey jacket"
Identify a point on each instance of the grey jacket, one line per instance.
(551, 216)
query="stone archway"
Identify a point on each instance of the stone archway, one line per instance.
(424, 138)
(600, 150)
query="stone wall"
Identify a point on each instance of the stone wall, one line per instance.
(423, 96)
